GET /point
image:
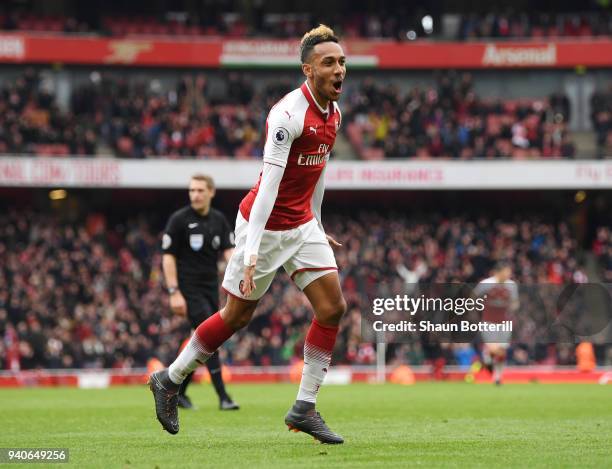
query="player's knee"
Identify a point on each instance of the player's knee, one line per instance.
(237, 321)
(237, 318)
(240, 321)
(331, 313)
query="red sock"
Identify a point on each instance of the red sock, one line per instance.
(207, 338)
(213, 332)
(318, 349)
(322, 337)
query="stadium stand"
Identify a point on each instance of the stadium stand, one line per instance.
(89, 294)
(450, 120)
(135, 120)
(138, 123)
(511, 24)
(221, 21)
(31, 123)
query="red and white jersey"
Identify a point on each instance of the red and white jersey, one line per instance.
(299, 137)
(500, 298)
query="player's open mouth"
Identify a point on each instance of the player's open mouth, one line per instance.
(337, 86)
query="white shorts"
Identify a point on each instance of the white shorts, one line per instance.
(500, 338)
(303, 252)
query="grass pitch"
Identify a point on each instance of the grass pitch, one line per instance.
(434, 424)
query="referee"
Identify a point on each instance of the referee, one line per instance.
(192, 241)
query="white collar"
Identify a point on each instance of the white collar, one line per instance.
(323, 111)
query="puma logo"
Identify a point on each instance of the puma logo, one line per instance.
(313, 130)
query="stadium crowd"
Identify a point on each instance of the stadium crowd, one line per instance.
(89, 293)
(391, 20)
(31, 122)
(537, 24)
(134, 119)
(450, 120)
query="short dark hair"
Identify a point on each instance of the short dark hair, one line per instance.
(321, 33)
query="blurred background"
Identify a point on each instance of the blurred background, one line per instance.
(472, 132)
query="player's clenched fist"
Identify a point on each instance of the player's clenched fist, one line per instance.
(178, 305)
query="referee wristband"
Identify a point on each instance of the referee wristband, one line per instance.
(172, 290)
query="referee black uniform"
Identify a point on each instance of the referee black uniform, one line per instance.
(196, 241)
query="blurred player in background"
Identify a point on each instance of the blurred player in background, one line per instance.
(279, 224)
(501, 300)
(193, 239)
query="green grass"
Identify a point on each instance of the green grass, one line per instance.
(435, 424)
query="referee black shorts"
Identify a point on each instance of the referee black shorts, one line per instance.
(201, 303)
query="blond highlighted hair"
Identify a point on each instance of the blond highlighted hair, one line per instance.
(321, 33)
